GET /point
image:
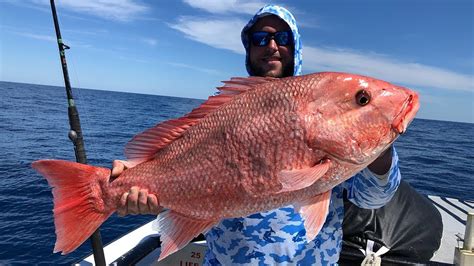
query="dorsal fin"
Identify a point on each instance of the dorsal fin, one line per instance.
(239, 85)
(145, 145)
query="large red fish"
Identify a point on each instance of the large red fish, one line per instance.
(260, 144)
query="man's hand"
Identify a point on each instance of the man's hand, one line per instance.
(138, 201)
(117, 168)
(135, 201)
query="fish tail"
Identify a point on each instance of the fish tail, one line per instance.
(79, 208)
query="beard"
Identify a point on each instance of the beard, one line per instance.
(285, 71)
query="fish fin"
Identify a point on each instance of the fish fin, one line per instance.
(177, 230)
(314, 212)
(292, 180)
(239, 85)
(144, 146)
(78, 205)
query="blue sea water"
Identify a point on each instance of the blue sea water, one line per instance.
(436, 158)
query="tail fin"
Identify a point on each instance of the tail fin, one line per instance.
(78, 205)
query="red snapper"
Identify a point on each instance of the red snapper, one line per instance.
(262, 143)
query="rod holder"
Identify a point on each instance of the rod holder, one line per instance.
(465, 256)
(469, 233)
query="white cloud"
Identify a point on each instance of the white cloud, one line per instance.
(225, 34)
(36, 36)
(86, 32)
(149, 41)
(384, 67)
(246, 7)
(132, 59)
(195, 68)
(226, 6)
(42, 37)
(219, 33)
(120, 10)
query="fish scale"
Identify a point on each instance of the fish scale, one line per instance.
(260, 144)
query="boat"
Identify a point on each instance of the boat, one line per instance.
(142, 245)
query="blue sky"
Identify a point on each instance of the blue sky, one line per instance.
(185, 48)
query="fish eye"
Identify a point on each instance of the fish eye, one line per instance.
(362, 97)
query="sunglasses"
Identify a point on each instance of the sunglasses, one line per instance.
(262, 38)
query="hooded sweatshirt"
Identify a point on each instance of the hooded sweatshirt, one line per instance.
(278, 237)
(286, 16)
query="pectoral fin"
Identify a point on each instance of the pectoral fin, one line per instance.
(292, 180)
(314, 212)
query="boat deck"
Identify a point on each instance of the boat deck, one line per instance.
(454, 213)
(141, 246)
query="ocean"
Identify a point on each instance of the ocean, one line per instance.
(436, 157)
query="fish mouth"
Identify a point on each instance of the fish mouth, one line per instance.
(407, 114)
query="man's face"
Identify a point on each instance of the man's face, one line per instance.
(271, 60)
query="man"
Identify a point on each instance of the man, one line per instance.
(273, 48)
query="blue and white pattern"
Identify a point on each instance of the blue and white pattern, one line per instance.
(278, 237)
(285, 15)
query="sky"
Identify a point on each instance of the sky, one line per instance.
(186, 48)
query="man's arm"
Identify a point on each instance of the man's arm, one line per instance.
(373, 187)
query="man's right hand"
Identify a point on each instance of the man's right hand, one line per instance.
(136, 200)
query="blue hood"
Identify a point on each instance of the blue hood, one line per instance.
(286, 16)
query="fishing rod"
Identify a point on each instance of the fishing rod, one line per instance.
(75, 132)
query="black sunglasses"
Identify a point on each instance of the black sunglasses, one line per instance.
(262, 38)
